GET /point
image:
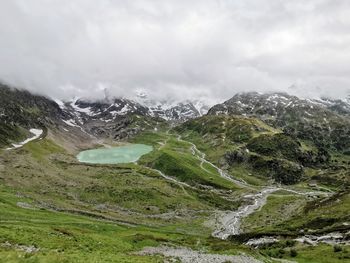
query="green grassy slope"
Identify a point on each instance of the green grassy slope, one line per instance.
(74, 212)
(77, 212)
(174, 157)
(252, 147)
(261, 151)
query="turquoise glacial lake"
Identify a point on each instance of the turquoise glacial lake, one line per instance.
(122, 154)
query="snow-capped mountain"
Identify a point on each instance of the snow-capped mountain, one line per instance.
(121, 117)
(140, 104)
(276, 105)
(340, 106)
(111, 118)
(105, 110)
(323, 121)
(171, 109)
(110, 109)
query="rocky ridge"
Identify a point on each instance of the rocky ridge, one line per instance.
(115, 118)
(325, 122)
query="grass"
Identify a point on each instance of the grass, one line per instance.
(321, 254)
(175, 158)
(327, 213)
(218, 135)
(240, 171)
(48, 177)
(296, 252)
(42, 148)
(151, 138)
(235, 129)
(321, 215)
(91, 200)
(214, 148)
(61, 237)
(104, 213)
(64, 237)
(11, 134)
(270, 214)
(105, 190)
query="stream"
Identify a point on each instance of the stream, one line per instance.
(228, 223)
(201, 156)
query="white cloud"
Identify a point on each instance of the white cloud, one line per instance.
(178, 48)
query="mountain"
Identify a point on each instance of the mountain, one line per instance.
(115, 118)
(324, 122)
(274, 135)
(109, 109)
(170, 109)
(279, 105)
(82, 120)
(261, 175)
(341, 107)
(20, 110)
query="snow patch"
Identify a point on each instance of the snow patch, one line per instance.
(71, 122)
(87, 110)
(37, 133)
(60, 103)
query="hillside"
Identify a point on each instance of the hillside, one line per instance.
(212, 188)
(313, 120)
(115, 118)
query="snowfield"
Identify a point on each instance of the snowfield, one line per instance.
(37, 133)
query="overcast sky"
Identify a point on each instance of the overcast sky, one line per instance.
(176, 48)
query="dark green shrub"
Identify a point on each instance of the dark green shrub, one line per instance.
(337, 248)
(278, 145)
(293, 253)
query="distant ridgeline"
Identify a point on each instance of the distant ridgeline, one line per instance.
(116, 118)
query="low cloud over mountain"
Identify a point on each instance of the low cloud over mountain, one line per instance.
(176, 48)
